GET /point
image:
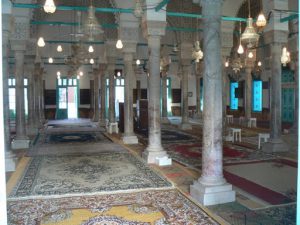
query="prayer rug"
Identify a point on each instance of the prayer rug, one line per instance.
(82, 137)
(273, 181)
(73, 175)
(138, 208)
(170, 136)
(190, 154)
(234, 213)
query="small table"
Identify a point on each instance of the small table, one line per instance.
(236, 134)
(229, 118)
(252, 122)
(264, 136)
(113, 128)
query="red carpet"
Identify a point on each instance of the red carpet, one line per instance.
(257, 190)
(194, 151)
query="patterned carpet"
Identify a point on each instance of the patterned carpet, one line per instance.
(105, 172)
(140, 208)
(237, 214)
(78, 137)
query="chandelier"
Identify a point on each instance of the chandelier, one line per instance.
(91, 25)
(138, 10)
(49, 6)
(285, 56)
(78, 57)
(237, 65)
(197, 53)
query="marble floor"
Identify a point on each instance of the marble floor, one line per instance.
(272, 176)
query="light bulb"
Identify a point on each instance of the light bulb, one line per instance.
(49, 6)
(119, 44)
(50, 60)
(58, 73)
(59, 48)
(240, 49)
(261, 20)
(92, 61)
(259, 63)
(118, 73)
(91, 49)
(250, 55)
(41, 42)
(81, 73)
(58, 77)
(138, 62)
(78, 77)
(226, 64)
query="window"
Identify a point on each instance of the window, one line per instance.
(234, 102)
(169, 96)
(12, 97)
(257, 96)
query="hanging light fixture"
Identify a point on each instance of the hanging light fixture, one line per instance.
(138, 10)
(41, 42)
(78, 77)
(81, 73)
(49, 6)
(91, 49)
(58, 73)
(175, 48)
(92, 61)
(91, 25)
(249, 37)
(138, 62)
(250, 55)
(259, 63)
(237, 65)
(226, 63)
(240, 48)
(119, 44)
(59, 48)
(197, 53)
(285, 56)
(261, 20)
(50, 60)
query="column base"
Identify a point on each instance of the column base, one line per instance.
(151, 157)
(32, 131)
(113, 128)
(130, 140)
(185, 126)
(102, 123)
(20, 143)
(165, 120)
(212, 194)
(10, 162)
(275, 145)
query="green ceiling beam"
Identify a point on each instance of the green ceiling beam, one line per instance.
(184, 29)
(119, 10)
(162, 4)
(288, 18)
(59, 23)
(75, 8)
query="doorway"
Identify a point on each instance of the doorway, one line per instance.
(67, 98)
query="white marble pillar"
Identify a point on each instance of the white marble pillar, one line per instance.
(198, 98)
(248, 98)
(294, 128)
(211, 188)
(41, 97)
(10, 158)
(31, 124)
(37, 68)
(96, 95)
(154, 148)
(102, 69)
(128, 137)
(185, 125)
(164, 97)
(112, 113)
(275, 143)
(20, 141)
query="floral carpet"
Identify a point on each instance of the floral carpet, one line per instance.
(73, 175)
(159, 207)
(78, 137)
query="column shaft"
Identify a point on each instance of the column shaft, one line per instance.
(31, 107)
(112, 116)
(164, 94)
(248, 105)
(96, 95)
(103, 94)
(198, 97)
(20, 110)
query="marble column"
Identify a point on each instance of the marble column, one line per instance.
(164, 118)
(41, 98)
(31, 125)
(111, 72)
(294, 128)
(248, 86)
(275, 143)
(198, 98)
(37, 72)
(128, 137)
(96, 95)
(10, 158)
(211, 188)
(102, 69)
(185, 125)
(20, 141)
(154, 148)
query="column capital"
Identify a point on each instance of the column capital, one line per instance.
(153, 28)
(129, 47)
(128, 56)
(18, 45)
